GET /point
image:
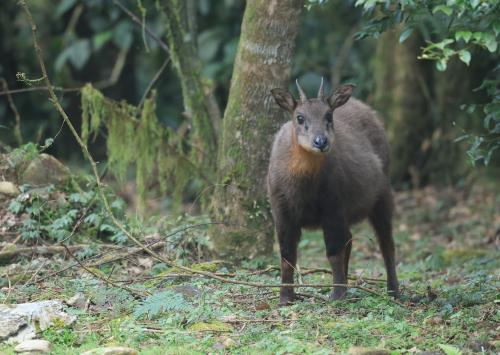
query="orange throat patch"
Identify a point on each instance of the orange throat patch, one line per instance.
(303, 162)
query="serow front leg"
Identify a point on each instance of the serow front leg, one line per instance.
(288, 240)
(337, 242)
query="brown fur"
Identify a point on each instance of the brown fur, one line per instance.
(303, 162)
(330, 189)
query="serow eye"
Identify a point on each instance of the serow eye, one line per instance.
(300, 119)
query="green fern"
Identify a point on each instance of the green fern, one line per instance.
(164, 301)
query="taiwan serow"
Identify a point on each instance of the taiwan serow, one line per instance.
(329, 170)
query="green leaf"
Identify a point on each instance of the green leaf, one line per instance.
(64, 6)
(490, 42)
(209, 42)
(405, 34)
(123, 35)
(79, 52)
(465, 35)
(444, 9)
(449, 349)
(101, 39)
(465, 56)
(441, 65)
(496, 27)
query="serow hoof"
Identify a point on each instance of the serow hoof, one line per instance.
(338, 294)
(394, 293)
(286, 298)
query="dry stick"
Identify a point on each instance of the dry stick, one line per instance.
(107, 280)
(53, 249)
(156, 244)
(88, 156)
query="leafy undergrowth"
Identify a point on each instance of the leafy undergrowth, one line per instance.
(447, 245)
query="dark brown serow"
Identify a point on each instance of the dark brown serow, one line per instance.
(328, 169)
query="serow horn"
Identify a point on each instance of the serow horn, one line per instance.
(321, 91)
(302, 94)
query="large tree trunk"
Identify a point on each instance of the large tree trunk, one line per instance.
(263, 62)
(403, 95)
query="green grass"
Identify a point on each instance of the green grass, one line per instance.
(448, 266)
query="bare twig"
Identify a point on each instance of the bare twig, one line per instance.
(153, 81)
(52, 249)
(55, 101)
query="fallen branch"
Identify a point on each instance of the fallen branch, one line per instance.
(108, 280)
(43, 250)
(55, 101)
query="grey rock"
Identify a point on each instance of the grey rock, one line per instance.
(17, 322)
(111, 350)
(358, 350)
(33, 347)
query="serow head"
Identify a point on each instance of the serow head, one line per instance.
(313, 118)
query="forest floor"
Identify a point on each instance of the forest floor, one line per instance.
(448, 265)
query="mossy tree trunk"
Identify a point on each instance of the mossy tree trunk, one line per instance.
(263, 62)
(403, 96)
(198, 103)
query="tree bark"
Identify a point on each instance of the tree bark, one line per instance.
(263, 62)
(198, 102)
(403, 96)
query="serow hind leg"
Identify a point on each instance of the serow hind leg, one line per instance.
(381, 221)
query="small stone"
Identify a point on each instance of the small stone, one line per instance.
(358, 350)
(33, 346)
(9, 189)
(111, 350)
(78, 301)
(228, 342)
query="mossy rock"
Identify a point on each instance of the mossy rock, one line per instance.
(460, 255)
(214, 326)
(44, 170)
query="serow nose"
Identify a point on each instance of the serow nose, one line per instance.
(320, 142)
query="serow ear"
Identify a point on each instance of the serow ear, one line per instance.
(341, 95)
(284, 99)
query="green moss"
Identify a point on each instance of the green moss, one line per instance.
(137, 139)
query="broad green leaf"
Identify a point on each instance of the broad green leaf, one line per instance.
(441, 65)
(496, 27)
(79, 52)
(64, 6)
(465, 35)
(490, 42)
(444, 9)
(101, 39)
(123, 34)
(465, 56)
(405, 34)
(474, 3)
(209, 42)
(449, 349)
